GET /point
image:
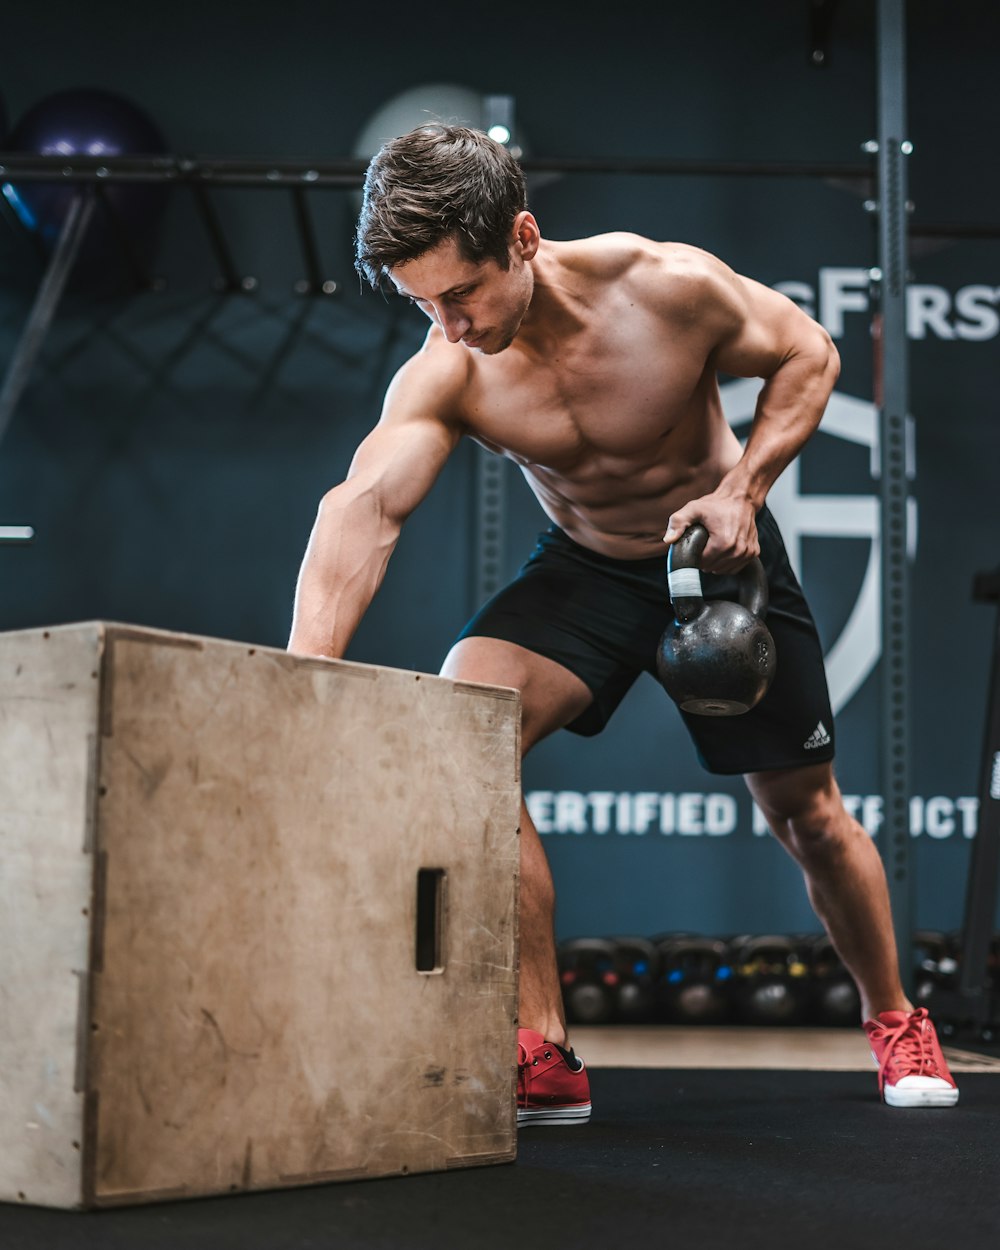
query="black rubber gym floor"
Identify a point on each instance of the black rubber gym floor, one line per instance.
(700, 1159)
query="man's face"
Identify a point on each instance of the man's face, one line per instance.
(475, 303)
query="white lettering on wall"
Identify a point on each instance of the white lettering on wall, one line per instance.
(842, 291)
(927, 309)
(693, 814)
(980, 319)
(972, 313)
(604, 811)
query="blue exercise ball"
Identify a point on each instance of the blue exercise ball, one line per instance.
(92, 122)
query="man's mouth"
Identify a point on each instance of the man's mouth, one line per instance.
(474, 342)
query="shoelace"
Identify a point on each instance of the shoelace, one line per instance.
(907, 1047)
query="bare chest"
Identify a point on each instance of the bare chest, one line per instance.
(614, 395)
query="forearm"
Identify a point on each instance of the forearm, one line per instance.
(344, 564)
(789, 409)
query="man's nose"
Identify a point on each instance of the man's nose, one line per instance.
(454, 324)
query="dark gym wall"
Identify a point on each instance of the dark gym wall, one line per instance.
(173, 446)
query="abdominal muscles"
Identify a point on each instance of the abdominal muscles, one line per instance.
(619, 505)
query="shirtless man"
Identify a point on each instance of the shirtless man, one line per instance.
(592, 364)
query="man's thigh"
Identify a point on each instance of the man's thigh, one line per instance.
(551, 696)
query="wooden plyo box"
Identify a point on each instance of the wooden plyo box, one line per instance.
(220, 867)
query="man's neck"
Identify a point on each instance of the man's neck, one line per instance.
(555, 311)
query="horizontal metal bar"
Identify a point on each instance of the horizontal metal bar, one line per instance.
(953, 230)
(30, 167)
(748, 169)
(222, 172)
(347, 173)
(16, 166)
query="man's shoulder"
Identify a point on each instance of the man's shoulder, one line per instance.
(621, 253)
(670, 276)
(431, 381)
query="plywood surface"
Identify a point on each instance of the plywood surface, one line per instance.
(257, 1015)
(48, 717)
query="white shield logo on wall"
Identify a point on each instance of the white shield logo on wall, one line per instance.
(857, 649)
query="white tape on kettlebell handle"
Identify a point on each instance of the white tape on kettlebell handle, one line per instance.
(684, 584)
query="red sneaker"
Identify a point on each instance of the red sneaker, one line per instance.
(552, 1083)
(911, 1068)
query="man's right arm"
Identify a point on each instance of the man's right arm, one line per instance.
(359, 522)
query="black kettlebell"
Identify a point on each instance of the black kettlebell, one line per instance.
(718, 658)
(637, 962)
(589, 979)
(834, 998)
(695, 980)
(770, 981)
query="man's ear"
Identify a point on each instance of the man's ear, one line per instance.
(525, 235)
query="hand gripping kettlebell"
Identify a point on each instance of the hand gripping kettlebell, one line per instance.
(715, 659)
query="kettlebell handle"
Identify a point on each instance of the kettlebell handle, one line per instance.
(684, 579)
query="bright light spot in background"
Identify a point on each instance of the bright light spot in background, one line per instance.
(500, 134)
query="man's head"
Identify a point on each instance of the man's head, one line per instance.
(435, 183)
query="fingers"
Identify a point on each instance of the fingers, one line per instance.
(728, 563)
(732, 532)
(676, 526)
(682, 520)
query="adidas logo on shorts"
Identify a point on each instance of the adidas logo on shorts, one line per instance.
(818, 738)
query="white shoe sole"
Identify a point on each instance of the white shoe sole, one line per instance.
(553, 1115)
(920, 1097)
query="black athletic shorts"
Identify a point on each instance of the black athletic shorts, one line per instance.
(602, 619)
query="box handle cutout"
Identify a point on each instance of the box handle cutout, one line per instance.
(430, 908)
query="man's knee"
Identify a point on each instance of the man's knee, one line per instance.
(805, 811)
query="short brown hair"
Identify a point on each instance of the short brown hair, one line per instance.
(435, 182)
